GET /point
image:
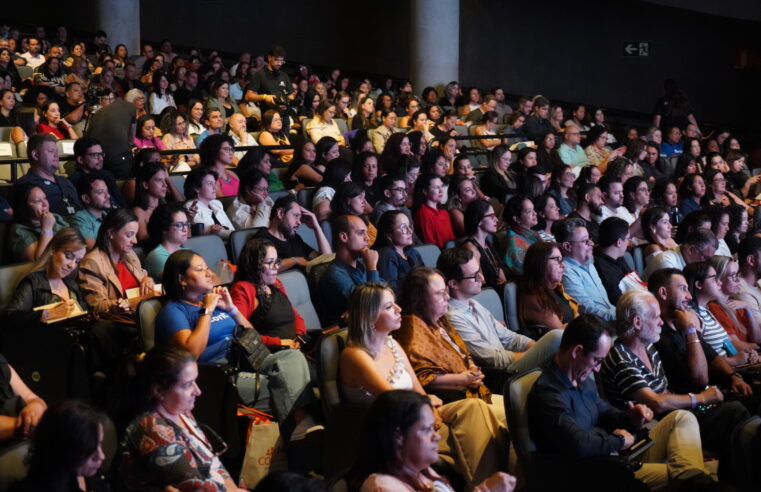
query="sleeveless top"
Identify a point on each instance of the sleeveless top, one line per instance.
(274, 315)
(231, 187)
(398, 378)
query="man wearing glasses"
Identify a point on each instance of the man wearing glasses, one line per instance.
(699, 245)
(580, 278)
(493, 345)
(89, 156)
(394, 191)
(570, 151)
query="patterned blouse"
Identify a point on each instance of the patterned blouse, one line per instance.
(516, 245)
(436, 350)
(159, 453)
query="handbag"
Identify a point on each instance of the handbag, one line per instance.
(250, 348)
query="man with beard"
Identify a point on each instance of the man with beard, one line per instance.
(587, 206)
(285, 219)
(93, 191)
(271, 88)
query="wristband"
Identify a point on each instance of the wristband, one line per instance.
(690, 330)
(693, 399)
(233, 311)
(49, 233)
(736, 374)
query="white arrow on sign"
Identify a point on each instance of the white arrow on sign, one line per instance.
(630, 48)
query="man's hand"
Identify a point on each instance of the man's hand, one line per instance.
(712, 394)
(29, 417)
(628, 438)
(739, 386)
(309, 218)
(370, 257)
(639, 414)
(684, 319)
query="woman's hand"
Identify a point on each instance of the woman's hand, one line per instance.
(63, 309)
(215, 229)
(147, 287)
(225, 302)
(47, 221)
(211, 300)
(472, 378)
(499, 482)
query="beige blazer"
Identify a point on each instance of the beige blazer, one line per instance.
(99, 282)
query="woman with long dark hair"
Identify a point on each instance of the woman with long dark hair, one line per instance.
(394, 242)
(481, 223)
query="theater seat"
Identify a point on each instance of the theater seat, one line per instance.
(515, 394)
(147, 311)
(10, 276)
(489, 298)
(510, 297)
(429, 253)
(13, 464)
(178, 180)
(327, 369)
(238, 240)
(298, 293)
(211, 247)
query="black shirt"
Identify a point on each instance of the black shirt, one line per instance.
(672, 348)
(110, 126)
(611, 272)
(267, 82)
(117, 200)
(182, 96)
(291, 248)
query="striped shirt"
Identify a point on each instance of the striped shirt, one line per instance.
(623, 374)
(713, 333)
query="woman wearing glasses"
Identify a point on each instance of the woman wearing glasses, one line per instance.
(261, 298)
(519, 216)
(168, 229)
(480, 228)
(541, 298)
(396, 256)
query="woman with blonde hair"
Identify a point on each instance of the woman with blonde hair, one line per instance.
(374, 363)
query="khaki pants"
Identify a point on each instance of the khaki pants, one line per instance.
(676, 452)
(472, 440)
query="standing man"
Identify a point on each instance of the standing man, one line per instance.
(114, 127)
(271, 88)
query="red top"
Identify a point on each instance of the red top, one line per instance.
(126, 278)
(741, 332)
(433, 225)
(55, 130)
(244, 298)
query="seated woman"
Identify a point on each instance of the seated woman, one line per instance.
(719, 216)
(350, 200)
(145, 133)
(327, 150)
(497, 181)
(363, 120)
(665, 195)
(520, 217)
(656, 229)
(273, 134)
(398, 145)
(734, 316)
(373, 365)
(339, 171)
(717, 192)
(561, 188)
(303, 169)
(161, 96)
(462, 192)
(541, 297)
(547, 213)
(168, 230)
(112, 267)
(67, 450)
(175, 128)
(261, 297)
(201, 319)
(216, 153)
(323, 125)
(738, 227)
(411, 107)
(547, 157)
(201, 192)
(597, 150)
(33, 225)
(20, 408)
(309, 106)
(50, 74)
(143, 157)
(165, 447)
(636, 200)
(704, 286)
(691, 191)
(219, 99)
(365, 174)
(488, 127)
(259, 158)
(432, 223)
(51, 279)
(480, 228)
(439, 356)
(151, 188)
(396, 256)
(51, 122)
(195, 117)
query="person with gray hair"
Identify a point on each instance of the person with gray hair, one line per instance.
(580, 278)
(632, 372)
(699, 245)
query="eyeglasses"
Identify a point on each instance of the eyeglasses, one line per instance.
(227, 149)
(556, 259)
(733, 276)
(260, 189)
(472, 277)
(398, 190)
(180, 225)
(586, 241)
(95, 154)
(272, 263)
(714, 276)
(490, 216)
(404, 229)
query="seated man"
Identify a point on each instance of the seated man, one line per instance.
(492, 344)
(253, 206)
(394, 190)
(214, 122)
(612, 199)
(588, 206)
(749, 259)
(285, 220)
(617, 277)
(580, 278)
(699, 245)
(89, 156)
(94, 194)
(354, 264)
(43, 164)
(568, 417)
(632, 371)
(24, 410)
(571, 151)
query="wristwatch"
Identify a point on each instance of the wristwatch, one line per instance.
(205, 311)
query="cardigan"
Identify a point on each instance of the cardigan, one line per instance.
(99, 282)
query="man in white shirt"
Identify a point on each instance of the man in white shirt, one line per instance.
(492, 344)
(699, 245)
(241, 138)
(613, 200)
(33, 56)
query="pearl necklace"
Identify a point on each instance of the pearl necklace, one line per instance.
(398, 368)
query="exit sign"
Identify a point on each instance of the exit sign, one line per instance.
(636, 48)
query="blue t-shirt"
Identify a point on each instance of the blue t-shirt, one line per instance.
(179, 315)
